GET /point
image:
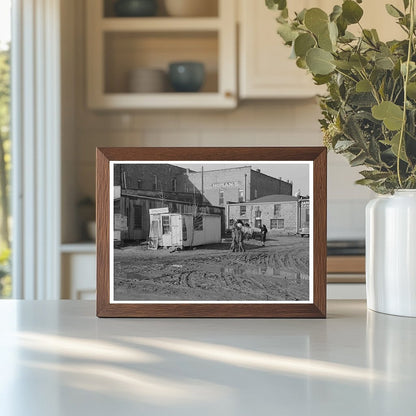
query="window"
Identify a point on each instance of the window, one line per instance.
(139, 184)
(198, 223)
(257, 223)
(165, 224)
(240, 195)
(257, 212)
(280, 224)
(307, 215)
(277, 208)
(5, 147)
(255, 193)
(221, 197)
(273, 223)
(243, 210)
(173, 184)
(138, 223)
(154, 182)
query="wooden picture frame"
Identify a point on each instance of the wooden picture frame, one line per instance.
(110, 159)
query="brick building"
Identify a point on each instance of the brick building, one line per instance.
(239, 184)
(280, 213)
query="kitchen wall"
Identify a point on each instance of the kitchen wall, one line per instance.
(253, 123)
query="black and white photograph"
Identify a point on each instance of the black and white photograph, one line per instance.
(211, 232)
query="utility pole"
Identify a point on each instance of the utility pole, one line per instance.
(202, 184)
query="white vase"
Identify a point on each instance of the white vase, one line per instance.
(391, 253)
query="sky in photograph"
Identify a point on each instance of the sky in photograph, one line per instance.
(4, 22)
(296, 172)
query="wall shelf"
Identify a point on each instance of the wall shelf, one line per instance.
(116, 46)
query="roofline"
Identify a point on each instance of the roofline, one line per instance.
(265, 174)
(217, 170)
(260, 202)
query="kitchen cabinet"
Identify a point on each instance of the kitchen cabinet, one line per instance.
(265, 70)
(118, 45)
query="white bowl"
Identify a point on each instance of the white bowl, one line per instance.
(147, 80)
(191, 8)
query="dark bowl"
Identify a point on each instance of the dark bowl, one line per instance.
(135, 8)
(186, 76)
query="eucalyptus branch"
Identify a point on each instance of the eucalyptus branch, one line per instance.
(406, 80)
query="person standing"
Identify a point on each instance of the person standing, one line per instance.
(263, 234)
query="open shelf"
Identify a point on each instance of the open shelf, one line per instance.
(119, 45)
(160, 24)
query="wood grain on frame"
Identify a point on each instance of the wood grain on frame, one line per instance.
(317, 309)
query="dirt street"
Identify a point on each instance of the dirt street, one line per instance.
(277, 272)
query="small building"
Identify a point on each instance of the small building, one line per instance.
(182, 230)
(280, 213)
(132, 207)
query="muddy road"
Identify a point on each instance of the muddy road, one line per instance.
(277, 272)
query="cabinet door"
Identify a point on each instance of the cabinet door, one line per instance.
(265, 68)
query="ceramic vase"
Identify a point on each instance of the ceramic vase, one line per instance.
(391, 253)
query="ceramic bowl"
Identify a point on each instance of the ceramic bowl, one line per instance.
(135, 8)
(186, 76)
(147, 80)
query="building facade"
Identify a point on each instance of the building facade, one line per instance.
(282, 214)
(240, 184)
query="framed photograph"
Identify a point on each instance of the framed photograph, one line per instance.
(211, 232)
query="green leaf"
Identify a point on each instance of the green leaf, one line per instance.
(301, 63)
(287, 33)
(303, 43)
(325, 42)
(393, 11)
(406, 4)
(384, 62)
(319, 61)
(363, 86)
(345, 65)
(351, 11)
(358, 160)
(394, 145)
(388, 112)
(316, 20)
(411, 90)
(276, 4)
(358, 61)
(336, 12)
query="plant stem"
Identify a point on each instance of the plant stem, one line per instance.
(406, 80)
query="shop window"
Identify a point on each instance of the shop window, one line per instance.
(221, 197)
(243, 210)
(198, 223)
(165, 224)
(138, 216)
(277, 209)
(273, 224)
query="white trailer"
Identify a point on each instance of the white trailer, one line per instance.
(183, 230)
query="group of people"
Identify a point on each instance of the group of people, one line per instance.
(240, 231)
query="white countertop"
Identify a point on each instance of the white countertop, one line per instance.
(57, 358)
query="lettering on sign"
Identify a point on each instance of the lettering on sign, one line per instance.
(230, 184)
(164, 210)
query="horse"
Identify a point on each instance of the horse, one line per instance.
(237, 236)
